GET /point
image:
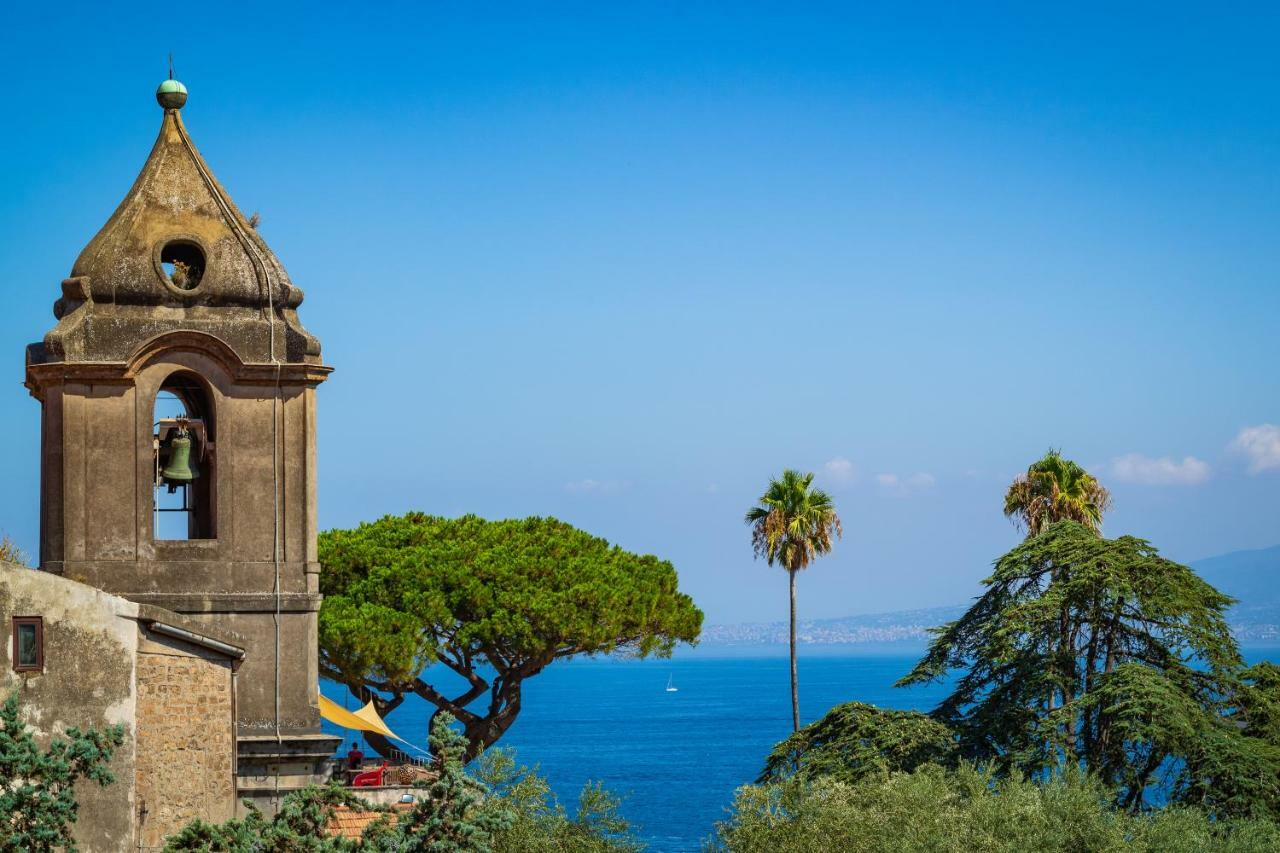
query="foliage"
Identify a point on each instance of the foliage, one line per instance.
(1056, 489)
(855, 740)
(37, 787)
(451, 814)
(10, 552)
(185, 276)
(478, 596)
(298, 826)
(503, 809)
(1258, 702)
(541, 824)
(1100, 653)
(792, 525)
(956, 811)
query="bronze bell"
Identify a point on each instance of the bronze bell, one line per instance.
(179, 471)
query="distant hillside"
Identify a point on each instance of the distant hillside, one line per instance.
(1254, 578)
(899, 626)
(1251, 576)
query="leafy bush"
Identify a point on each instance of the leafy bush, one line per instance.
(37, 787)
(855, 740)
(940, 810)
(540, 824)
(11, 552)
(453, 812)
(299, 825)
(505, 809)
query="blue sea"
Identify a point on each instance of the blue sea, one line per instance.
(676, 758)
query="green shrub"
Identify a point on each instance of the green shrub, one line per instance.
(37, 786)
(503, 809)
(540, 824)
(946, 811)
(856, 740)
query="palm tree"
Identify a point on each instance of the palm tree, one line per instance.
(1056, 489)
(792, 526)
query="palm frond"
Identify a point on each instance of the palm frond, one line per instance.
(1055, 489)
(793, 523)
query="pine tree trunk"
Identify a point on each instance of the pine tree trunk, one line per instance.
(795, 678)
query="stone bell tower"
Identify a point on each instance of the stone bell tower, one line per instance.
(178, 450)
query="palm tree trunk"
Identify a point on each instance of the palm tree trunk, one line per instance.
(795, 678)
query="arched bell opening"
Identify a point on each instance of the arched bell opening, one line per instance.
(184, 480)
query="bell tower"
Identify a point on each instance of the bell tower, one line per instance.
(178, 449)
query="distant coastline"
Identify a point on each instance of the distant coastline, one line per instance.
(1253, 577)
(896, 627)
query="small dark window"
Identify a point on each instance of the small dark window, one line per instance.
(28, 644)
(183, 263)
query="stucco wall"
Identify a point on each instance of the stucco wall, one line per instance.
(103, 666)
(186, 745)
(90, 645)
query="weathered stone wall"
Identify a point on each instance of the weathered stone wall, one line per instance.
(186, 747)
(98, 526)
(104, 666)
(90, 644)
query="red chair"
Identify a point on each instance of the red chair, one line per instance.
(370, 778)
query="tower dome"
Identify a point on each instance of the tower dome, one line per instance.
(175, 248)
(171, 94)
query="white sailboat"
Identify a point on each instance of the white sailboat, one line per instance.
(671, 688)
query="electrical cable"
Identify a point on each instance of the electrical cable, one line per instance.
(266, 284)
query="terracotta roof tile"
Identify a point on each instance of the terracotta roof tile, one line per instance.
(348, 823)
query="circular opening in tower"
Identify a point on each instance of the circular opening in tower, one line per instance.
(183, 264)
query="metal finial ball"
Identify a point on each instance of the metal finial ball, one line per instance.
(171, 94)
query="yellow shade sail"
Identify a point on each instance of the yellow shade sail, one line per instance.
(365, 720)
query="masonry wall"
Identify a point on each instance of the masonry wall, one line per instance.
(104, 666)
(98, 520)
(185, 739)
(90, 643)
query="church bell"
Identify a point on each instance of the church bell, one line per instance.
(179, 471)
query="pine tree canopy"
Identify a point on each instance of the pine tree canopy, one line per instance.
(410, 599)
(1103, 654)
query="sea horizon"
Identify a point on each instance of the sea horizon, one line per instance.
(677, 758)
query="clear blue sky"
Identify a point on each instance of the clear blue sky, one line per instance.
(619, 265)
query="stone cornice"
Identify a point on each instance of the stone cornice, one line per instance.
(42, 375)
